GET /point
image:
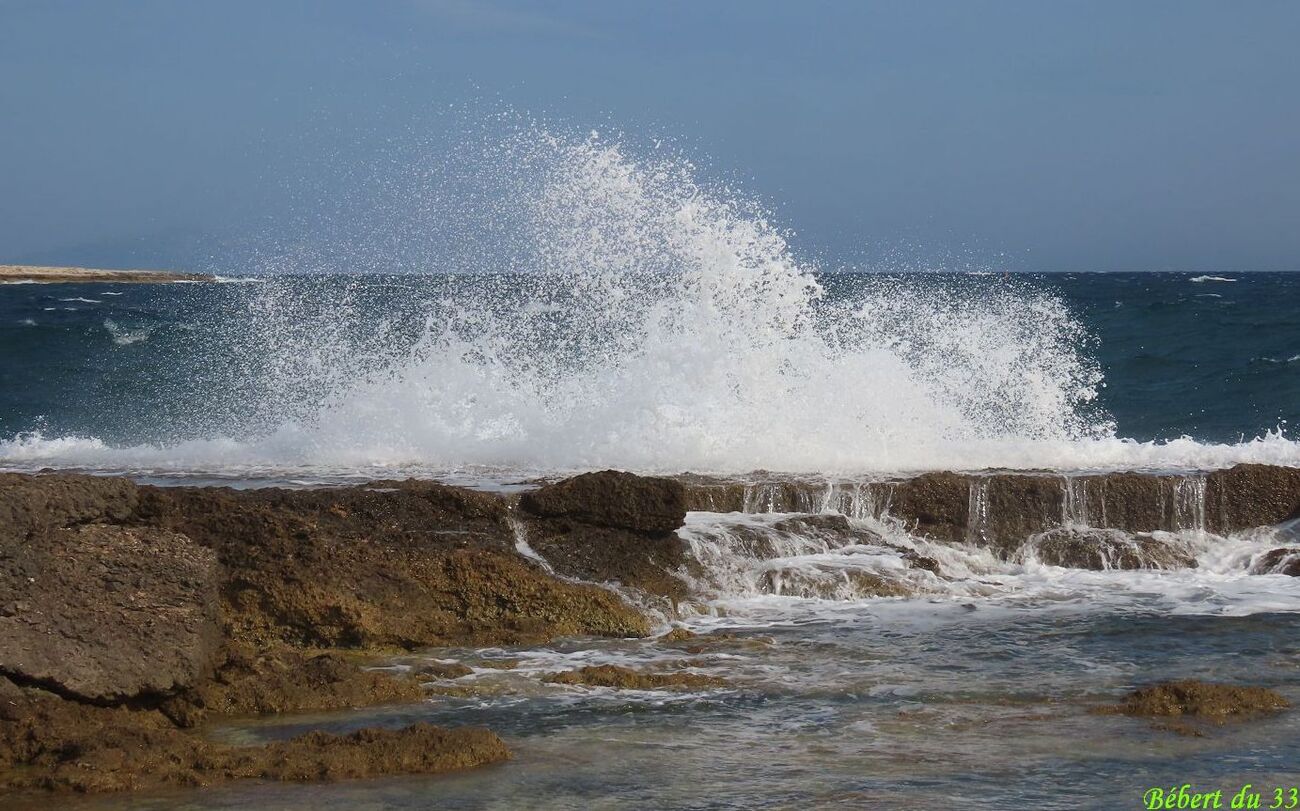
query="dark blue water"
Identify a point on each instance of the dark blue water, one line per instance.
(1218, 361)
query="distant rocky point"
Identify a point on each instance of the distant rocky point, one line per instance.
(55, 275)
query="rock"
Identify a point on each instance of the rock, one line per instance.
(54, 275)
(1101, 549)
(611, 527)
(609, 555)
(106, 614)
(1247, 496)
(612, 499)
(52, 744)
(628, 679)
(441, 670)
(678, 634)
(402, 565)
(1199, 699)
(283, 679)
(1285, 560)
(1013, 506)
(35, 503)
(918, 561)
(418, 749)
(935, 505)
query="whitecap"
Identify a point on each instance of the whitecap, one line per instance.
(125, 337)
(1212, 279)
(669, 327)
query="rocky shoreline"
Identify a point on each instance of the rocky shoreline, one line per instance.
(36, 274)
(131, 615)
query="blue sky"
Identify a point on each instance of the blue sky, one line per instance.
(1025, 135)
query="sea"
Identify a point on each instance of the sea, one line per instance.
(620, 313)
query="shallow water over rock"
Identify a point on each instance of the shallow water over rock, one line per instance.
(896, 704)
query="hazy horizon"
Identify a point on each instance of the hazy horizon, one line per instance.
(1009, 136)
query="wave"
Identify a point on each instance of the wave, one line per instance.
(1212, 279)
(83, 300)
(123, 336)
(619, 312)
(757, 565)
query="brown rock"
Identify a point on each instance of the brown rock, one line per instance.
(628, 679)
(282, 679)
(106, 614)
(611, 527)
(1246, 496)
(417, 749)
(678, 634)
(405, 565)
(1100, 549)
(53, 744)
(35, 503)
(1199, 699)
(612, 499)
(936, 505)
(441, 670)
(1285, 560)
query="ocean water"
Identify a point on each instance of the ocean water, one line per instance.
(608, 309)
(583, 305)
(320, 377)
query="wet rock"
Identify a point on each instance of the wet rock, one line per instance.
(1018, 506)
(30, 504)
(935, 505)
(918, 561)
(611, 527)
(1134, 502)
(628, 679)
(1012, 506)
(1246, 496)
(678, 635)
(1101, 549)
(49, 743)
(391, 565)
(832, 582)
(418, 749)
(283, 679)
(106, 614)
(612, 499)
(441, 670)
(1199, 699)
(1285, 560)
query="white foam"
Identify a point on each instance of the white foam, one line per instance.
(738, 582)
(670, 328)
(1212, 279)
(123, 336)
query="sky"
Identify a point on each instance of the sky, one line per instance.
(1044, 136)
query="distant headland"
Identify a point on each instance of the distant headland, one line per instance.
(53, 275)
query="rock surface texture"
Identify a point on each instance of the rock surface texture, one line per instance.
(131, 614)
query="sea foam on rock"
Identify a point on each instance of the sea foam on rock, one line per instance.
(1084, 548)
(611, 527)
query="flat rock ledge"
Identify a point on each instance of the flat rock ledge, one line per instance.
(52, 744)
(624, 678)
(131, 615)
(1188, 706)
(68, 275)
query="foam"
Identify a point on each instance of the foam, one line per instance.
(650, 322)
